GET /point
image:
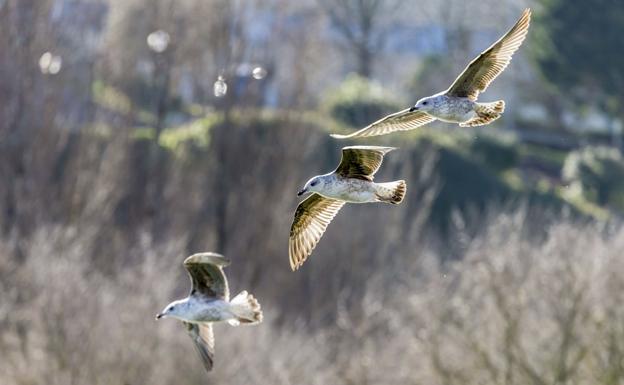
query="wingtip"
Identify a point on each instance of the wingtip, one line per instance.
(526, 14)
(339, 136)
(383, 149)
(291, 260)
(294, 265)
(208, 257)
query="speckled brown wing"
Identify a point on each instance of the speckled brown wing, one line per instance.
(399, 121)
(312, 217)
(361, 161)
(207, 277)
(491, 62)
(203, 339)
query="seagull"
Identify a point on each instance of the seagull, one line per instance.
(458, 104)
(351, 182)
(208, 302)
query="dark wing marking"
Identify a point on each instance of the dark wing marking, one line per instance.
(207, 277)
(312, 217)
(361, 161)
(491, 62)
(399, 121)
(203, 339)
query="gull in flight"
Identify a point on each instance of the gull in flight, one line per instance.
(208, 302)
(351, 182)
(458, 104)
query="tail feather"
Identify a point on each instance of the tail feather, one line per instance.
(246, 309)
(486, 113)
(392, 192)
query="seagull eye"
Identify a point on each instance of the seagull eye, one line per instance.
(314, 183)
(425, 103)
(171, 308)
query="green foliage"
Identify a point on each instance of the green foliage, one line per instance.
(357, 102)
(579, 49)
(464, 185)
(184, 140)
(110, 98)
(494, 152)
(597, 174)
(547, 156)
(144, 133)
(474, 173)
(434, 71)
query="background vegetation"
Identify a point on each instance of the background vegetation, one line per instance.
(133, 133)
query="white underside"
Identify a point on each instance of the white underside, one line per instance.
(454, 109)
(457, 118)
(213, 311)
(352, 191)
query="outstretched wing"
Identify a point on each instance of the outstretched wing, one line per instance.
(399, 121)
(203, 339)
(312, 217)
(361, 161)
(207, 277)
(491, 62)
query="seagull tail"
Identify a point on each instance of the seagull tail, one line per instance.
(486, 113)
(391, 192)
(246, 309)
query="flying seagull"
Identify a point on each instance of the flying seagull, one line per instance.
(351, 182)
(458, 104)
(209, 301)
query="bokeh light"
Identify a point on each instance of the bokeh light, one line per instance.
(158, 41)
(259, 73)
(220, 87)
(50, 64)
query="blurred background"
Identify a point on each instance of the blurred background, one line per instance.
(136, 132)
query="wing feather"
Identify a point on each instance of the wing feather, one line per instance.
(361, 161)
(399, 121)
(312, 217)
(491, 62)
(207, 277)
(203, 340)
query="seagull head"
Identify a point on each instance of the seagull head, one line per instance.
(174, 309)
(313, 185)
(424, 104)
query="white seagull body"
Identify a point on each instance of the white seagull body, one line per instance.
(351, 182)
(209, 301)
(352, 190)
(458, 104)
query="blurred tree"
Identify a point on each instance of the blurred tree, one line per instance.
(495, 153)
(358, 101)
(27, 109)
(579, 50)
(598, 174)
(363, 27)
(433, 74)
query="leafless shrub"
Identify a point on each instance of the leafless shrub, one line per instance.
(513, 311)
(65, 323)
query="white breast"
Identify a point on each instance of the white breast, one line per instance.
(455, 110)
(211, 311)
(351, 190)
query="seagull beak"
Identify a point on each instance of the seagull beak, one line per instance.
(159, 316)
(300, 193)
(413, 109)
